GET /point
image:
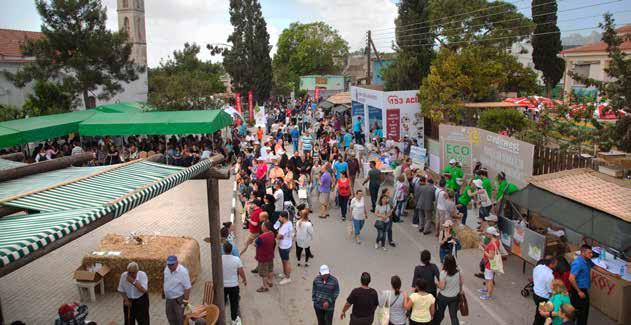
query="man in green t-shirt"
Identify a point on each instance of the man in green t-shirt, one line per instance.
(463, 202)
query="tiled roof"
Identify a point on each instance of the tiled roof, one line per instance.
(590, 188)
(595, 47)
(624, 29)
(11, 39)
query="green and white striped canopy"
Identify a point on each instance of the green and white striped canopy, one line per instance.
(67, 208)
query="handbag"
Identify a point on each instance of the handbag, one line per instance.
(379, 224)
(383, 315)
(463, 306)
(496, 263)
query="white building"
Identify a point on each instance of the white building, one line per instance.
(131, 17)
(523, 53)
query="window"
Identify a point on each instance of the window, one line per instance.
(126, 25)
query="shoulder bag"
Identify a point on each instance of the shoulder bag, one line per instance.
(463, 306)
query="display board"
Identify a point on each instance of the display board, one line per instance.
(418, 155)
(497, 153)
(527, 244)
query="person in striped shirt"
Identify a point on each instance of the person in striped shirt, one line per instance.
(307, 142)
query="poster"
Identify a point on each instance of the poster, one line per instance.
(357, 110)
(259, 116)
(250, 106)
(418, 155)
(528, 244)
(411, 121)
(393, 124)
(469, 145)
(507, 229)
(375, 119)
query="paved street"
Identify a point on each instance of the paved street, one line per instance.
(34, 292)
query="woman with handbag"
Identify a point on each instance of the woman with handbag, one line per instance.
(450, 285)
(491, 263)
(382, 221)
(391, 302)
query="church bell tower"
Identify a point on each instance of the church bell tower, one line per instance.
(131, 18)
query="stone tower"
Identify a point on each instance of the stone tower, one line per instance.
(131, 18)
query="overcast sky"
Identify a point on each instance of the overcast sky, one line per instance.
(171, 23)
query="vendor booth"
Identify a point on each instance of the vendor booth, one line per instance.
(576, 206)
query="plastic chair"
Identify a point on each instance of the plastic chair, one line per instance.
(212, 314)
(209, 293)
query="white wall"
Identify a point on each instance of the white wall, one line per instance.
(9, 94)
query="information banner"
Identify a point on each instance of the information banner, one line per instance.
(393, 124)
(237, 101)
(497, 153)
(251, 105)
(418, 155)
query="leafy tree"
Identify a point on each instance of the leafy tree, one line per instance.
(474, 74)
(546, 43)
(302, 49)
(496, 120)
(457, 23)
(185, 82)
(9, 112)
(248, 61)
(48, 98)
(412, 60)
(77, 52)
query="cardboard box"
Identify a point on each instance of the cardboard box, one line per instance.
(84, 274)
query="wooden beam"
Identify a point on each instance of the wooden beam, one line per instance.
(216, 251)
(18, 156)
(54, 245)
(44, 166)
(213, 172)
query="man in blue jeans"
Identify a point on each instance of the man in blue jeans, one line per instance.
(374, 180)
(324, 293)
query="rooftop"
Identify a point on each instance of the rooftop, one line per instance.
(10, 41)
(601, 46)
(590, 188)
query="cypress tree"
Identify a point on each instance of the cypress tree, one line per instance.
(547, 46)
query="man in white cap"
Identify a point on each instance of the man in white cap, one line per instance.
(489, 250)
(324, 293)
(177, 289)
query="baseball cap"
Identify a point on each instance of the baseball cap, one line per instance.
(324, 269)
(492, 231)
(491, 217)
(478, 183)
(453, 161)
(67, 308)
(171, 260)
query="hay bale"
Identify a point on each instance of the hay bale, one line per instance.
(150, 255)
(468, 237)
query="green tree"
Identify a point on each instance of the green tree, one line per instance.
(48, 98)
(496, 120)
(9, 112)
(546, 43)
(474, 74)
(248, 61)
(412, 60)
(185, 82)
(303, 49)
(77, 52)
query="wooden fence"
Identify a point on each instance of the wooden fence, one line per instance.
(549, 160)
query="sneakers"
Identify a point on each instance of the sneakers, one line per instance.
(285, 281)
(237, 321)
(299, 264)
(280, 275)
(414, 225)
(376, 246)
(482, 290)
(485, 297)
(384, 248)
(393, 244)
(306, 264)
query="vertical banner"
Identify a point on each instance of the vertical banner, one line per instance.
(393, 124)
(237, 98)
(251, 105)
(316, 94)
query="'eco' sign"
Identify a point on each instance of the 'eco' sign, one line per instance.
(459, 152)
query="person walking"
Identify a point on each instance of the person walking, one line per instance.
(133, 286)
(580, 280)
(421, 304)
(394, 300)
(423, 212)
(344, 191)
(324, 190)
(446, 240)
(359, 214)
(177, 290)
(426, 271)
(442, 205)
(401, 196)
(382, 221)
(285, 240)
(450, 284)
(489, 250)
(364, 300)
(265, 256)
(304, 236)
(374, 180)
(354, 168)
(324, 293)
(232, 270)
(542, 277)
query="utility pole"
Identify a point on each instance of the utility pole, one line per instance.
(368, 41)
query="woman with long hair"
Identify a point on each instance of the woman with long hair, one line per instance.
(304, 236)
(382, 222)
(359, 213)
(450, 284)
(344, 191)
(421, 303)
(394, 300)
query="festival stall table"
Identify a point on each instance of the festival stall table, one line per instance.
(595, 208)
(150, 252)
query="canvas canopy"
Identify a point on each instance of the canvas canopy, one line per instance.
(155, 123)
(39, 128)
(132, 107)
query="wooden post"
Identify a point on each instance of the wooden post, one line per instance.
(214, 220)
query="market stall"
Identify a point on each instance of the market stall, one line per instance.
(149, 251)
(582, 205)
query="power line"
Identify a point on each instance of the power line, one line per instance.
(501, 21)
(465, 13)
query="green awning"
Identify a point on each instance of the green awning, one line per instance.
(70, 207)
(155, 123)
(131, 107)
(41, 127)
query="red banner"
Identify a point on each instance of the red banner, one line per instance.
(251, 105)
(316, 94)
(393, 124)
(237, 102)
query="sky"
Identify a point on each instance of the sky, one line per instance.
(171, 23)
